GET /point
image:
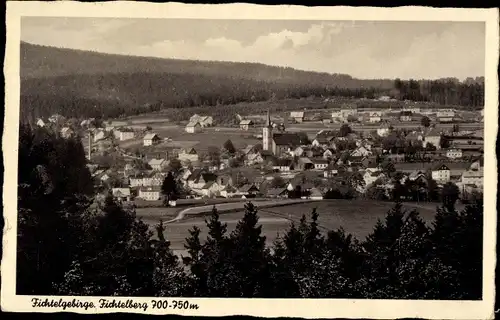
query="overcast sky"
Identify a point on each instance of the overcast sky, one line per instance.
(363, 49)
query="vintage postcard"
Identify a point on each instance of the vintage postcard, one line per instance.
(284, 161)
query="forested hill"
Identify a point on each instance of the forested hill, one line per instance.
(41, 61)
(79, 84)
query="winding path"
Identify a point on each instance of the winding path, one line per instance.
(222, 207)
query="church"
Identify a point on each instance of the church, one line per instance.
(280, 144)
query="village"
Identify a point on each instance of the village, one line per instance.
(348, 162)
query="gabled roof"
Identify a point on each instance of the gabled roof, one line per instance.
(282, 162)
(208, 184)
(276, 191)
(156, 162)
(440, 167)
(287, 139)
(246, 122)
(151, 136)
(297, 114)
(121, 192)
(193, 124)
(248, 188)
(319, 161)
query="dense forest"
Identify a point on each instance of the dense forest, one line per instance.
(80, 84)
(67, 247)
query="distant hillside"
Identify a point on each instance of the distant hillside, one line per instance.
(78, 83)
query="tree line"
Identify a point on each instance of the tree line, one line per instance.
(468, 93)
(69, 246)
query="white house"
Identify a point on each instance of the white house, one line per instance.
(331, 171)
(245, 124)
(370, 177)
(121, 194)
(441, 173)
(297, 116)
(99, 135)
(361, 152)
(384, 130)
(193, 127)
(150, 193)
(211, 189)
(283, 165)
(375, 116)
(433, 137)
(40, 123)
(151, 139)
(337, 115)
(454, 153)
(319, 164)
(158, 164)
(188, 155)
(123, 135)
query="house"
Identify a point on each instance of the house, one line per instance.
(454, 153)
(284, 143)
(432, 137)
(361, 152)
(305, 163)
(151, 139)
(105, 177)
(158, 164)
(331, 170)
(337, 115)
(346, 112)
(315, 194)
(185, 175)
(56, 118)
(277, 193)
(193, 127)
(124, 134)
(319, 163)
(326, 121)
(298, 116)
(412, 110)
(322, 141)
(405, 116)
(67, 132)
(445, 113)
(473, 176)
(283, 165)
(396, 157)
(121, 194)
(204, 121)
(445, 119)
(149, 193)
(417, 176)
(253, 158)
(375, 116)
(188, 155)
(441, 173)
(370, 177)
(384, 129)
(246, 124)
(224, 180)
(99, 135)
(199, 178)
(40, 123)
(228, 191)
(249, 190)
(146, 180)
(329, 154)
(211, 189)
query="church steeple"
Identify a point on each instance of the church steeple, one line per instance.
(268, 119)
(267, 134)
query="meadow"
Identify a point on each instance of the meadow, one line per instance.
(356, 217)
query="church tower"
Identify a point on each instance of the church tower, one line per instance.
(267, 134)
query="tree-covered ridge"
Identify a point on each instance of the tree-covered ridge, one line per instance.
(66, 247)
(88, 84)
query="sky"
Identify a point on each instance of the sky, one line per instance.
(362, 49)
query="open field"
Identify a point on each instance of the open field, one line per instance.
(353, 216)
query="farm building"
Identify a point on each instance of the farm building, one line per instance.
(298, 116)
(151, 139)
(121, 194)
(124, 135)
(158, 164)
(188, 155)
(193, 127)
(246, 124)
(204, 121)
(150, 193)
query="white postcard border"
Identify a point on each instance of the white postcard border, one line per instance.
(304, 308)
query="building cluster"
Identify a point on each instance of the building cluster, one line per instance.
(285, 161)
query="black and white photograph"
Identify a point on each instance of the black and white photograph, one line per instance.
(274, 158)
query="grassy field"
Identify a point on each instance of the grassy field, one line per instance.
(356, 217)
